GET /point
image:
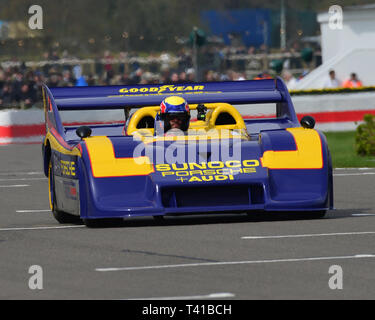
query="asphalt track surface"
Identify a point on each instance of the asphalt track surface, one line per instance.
(191, 257)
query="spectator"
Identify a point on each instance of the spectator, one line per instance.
(53, 81)
(263, 75)
(55, 56)
(184, 60)
(353, 82)
(303, 74)
(108, 61)
(165, 75)
(122, 57)
(91, 81)
(136, 77)
(331, 81)
(26, 97)
(47, 66)
(230, 75)
(38, 81)
(146, 78)
(174, 77)
(6, 95)
(16, 84)
(251, 50)
(125, 80)
(209, 76)
(67, 79)
(190, 73)
(289, 79)
(240, 76)
(182, 78)
(109, 76)
(264, 48)
(2, 79)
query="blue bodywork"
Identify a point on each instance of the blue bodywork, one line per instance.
(253, 187)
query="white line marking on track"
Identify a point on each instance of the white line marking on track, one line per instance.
(23, 179)
(16, 186)
(306, 235)
(219, 295)
(203, 264)
(364, 256)
(32, 211)
(362, 214)
(39, 228)
(353, 174)
(21, 173)
(364, 168)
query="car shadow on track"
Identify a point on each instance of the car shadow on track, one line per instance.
(349, 213)
(201, 219)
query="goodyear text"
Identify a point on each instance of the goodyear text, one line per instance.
(161, 89)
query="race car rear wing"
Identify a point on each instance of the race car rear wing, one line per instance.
(136, 96)
(117, 97)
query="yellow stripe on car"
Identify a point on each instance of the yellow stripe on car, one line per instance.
(308, 154)
(105, 164)
(56, 145)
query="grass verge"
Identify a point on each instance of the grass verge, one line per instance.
(342, 147)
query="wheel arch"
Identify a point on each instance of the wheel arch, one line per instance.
(47, 152)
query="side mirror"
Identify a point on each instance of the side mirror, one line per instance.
(83, 132)
(308, 122)
(202, 109)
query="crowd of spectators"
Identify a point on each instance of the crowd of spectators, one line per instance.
(333, 82)
(329, 82)
(20, 86)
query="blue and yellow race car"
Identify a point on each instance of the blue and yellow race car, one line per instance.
(223, 162)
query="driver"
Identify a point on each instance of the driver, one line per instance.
(175, 113)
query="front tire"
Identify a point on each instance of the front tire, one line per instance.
(159, 219)
(314, 214)
(103, 223)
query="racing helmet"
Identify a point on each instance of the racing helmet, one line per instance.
(175, 106)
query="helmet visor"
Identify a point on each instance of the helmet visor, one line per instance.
(178, 116)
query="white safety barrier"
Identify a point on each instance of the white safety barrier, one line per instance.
(332, 112)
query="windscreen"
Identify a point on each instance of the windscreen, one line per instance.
(258, 111)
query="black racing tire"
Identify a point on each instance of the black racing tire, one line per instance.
(159, 218)
(103, 223)
(63, 217)
(320, 214)
(315, 214)
(60, 216)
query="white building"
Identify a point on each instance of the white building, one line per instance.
(347, 48)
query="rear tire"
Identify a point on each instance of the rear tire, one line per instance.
(61, 216)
